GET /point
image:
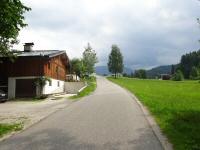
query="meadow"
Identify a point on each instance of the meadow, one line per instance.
(175, 106)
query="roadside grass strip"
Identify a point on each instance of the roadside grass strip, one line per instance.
(91, 86)
(7, 128)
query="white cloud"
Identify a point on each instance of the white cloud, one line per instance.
(143, 29)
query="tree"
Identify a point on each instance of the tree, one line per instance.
(188, 61)
(194, 75)
(40, 82)
(172, 69)
(11, 22)
(141, 73)
(178, 76)
(115, 61)
(89, 59)
(132, 74)
(76, 66)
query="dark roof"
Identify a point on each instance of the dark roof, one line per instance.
(38, 53)
(41, 53)
(29, 44)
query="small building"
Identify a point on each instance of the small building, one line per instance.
(165, 76)
(19, 76)
(72, 78)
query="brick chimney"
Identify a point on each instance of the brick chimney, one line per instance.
(28, 47)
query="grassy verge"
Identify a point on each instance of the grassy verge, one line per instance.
(7, 128)
(91, 86)
(175, 106)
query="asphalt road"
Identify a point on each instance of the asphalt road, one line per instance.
(109, 119)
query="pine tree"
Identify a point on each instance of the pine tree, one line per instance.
(172, 69)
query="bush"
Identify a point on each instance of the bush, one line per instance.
(141, 73)
(178, 76)
(194, 75)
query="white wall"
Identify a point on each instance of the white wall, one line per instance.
(73, 87)
(46, 90)
(54, 88)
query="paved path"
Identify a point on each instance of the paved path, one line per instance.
(109, 119)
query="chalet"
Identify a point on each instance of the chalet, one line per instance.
(19, 76)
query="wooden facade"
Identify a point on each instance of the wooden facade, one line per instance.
(54, 67)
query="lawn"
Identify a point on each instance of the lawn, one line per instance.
(91, 86)
(175, 106)
(6, 128)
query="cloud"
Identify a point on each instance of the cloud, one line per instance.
(149, 33)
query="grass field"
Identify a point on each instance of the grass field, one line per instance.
(175, 106)
(88, 90)
(6, 128)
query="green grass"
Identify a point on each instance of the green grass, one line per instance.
(88, 90)
(7, 128)
(175, 106)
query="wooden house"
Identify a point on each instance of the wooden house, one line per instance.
(19, 76)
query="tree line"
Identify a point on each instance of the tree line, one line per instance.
(85, 66)
(188, 68)
(190, 65)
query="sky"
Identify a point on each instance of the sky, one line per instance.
(149, 32)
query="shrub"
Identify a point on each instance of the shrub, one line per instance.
(141, 73)
(40, 82)
(194, 74)
(178, 76)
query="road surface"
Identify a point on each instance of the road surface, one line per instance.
(109, 119)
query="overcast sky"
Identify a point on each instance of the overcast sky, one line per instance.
(148, 32)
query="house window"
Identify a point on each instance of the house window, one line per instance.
(58, 83)
(49, 65)
(50, 83)
(56, 69)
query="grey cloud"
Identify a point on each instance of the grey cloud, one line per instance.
(148, 35)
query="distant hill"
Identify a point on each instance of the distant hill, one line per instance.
(103, 70)
(152, 73)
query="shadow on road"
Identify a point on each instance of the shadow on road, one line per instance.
(54, 139)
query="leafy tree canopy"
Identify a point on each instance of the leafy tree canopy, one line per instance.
(76, 66)
(141, 73)
(115, 61)
(11, 21)
(89, 59)
(194, 75)
(178, 76)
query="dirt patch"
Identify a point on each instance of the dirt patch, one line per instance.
(30, 112)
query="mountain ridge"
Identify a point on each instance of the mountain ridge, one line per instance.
(103, 70)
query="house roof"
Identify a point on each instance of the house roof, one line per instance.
(39, 53)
